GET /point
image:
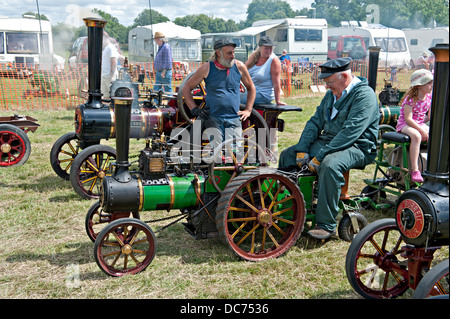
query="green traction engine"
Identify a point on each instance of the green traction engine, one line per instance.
(228, 192)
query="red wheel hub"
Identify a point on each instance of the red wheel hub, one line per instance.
(12, 148)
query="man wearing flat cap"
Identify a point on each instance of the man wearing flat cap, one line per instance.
(341, 135)
(222, 75)
(163, 64)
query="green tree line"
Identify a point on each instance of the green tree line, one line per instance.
(396, 14)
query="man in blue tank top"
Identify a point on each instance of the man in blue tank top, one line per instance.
(222, 75)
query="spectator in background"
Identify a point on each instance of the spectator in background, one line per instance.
(163, 64)
(265, 70)
(284, 57)
(422, 61)
(109, 65)
(430, 62)
(286, 61)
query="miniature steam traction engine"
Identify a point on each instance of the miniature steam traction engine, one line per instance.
(229, 193)
(390, 256)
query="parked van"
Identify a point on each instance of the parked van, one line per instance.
(208, 40)
(301, 37)
(346, 46)
(184, 41)
(22, 40)
(420, 40)
(394, 49)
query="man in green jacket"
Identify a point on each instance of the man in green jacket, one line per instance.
(341, 135)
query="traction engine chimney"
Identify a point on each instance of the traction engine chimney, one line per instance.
(95, 45)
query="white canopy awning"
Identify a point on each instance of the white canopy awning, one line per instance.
(259, 29)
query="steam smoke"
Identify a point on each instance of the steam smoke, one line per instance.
(77, 13)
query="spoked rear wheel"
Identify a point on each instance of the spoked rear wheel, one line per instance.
(89, 168)
(126, 246)
(260, 215)
(374, 262)
(232, 158)
(199, 95)
(63, 153)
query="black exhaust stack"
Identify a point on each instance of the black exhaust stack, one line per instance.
(95, 44)
(374, 53)
(121, 192)
(122, 104)
(437, 161)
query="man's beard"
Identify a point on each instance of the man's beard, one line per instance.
(226, 63)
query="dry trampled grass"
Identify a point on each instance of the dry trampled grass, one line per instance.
(45, 252)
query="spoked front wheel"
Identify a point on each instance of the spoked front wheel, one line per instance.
(97, 219)
(125, 246)
(374, 266)
(260, 215)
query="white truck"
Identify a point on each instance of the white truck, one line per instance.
(394, 49)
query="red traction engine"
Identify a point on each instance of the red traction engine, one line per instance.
(390, 256)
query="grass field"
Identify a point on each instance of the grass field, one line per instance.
(45, 252)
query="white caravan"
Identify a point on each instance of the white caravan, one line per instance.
(22, 40)
(301, 37)
(184, 41)
(420, 40)
(394, 49)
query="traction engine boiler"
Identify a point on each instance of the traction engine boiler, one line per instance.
(94, 120)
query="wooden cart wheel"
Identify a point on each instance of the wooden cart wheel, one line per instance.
(97, 219)
(199, 94)
(232, 158)
(15, 147)
(63, 153)
(89, 168)
(260, 215)
(125, 246)
(370, 258)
